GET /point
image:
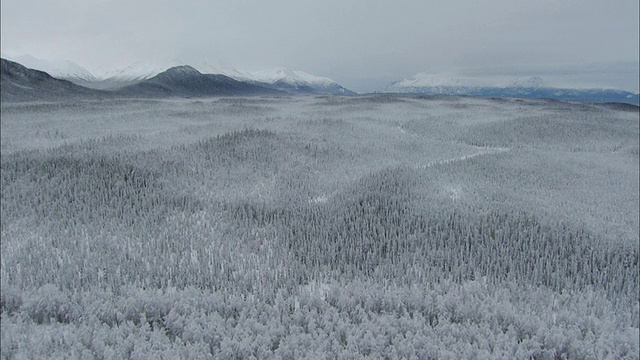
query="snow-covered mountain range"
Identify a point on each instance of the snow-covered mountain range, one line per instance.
(298, 82)
(114, 78)
(527, 87)
(424, 81)
(20, 83)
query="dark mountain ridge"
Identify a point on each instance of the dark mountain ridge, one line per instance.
(185, 81)
(18, 83)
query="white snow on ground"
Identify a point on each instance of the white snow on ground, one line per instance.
(484, 151)
(454, 192)
(319, 199)
(317, 289)
(21, 86)
(405, 131)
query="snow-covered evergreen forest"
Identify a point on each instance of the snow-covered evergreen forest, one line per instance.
(391, 227)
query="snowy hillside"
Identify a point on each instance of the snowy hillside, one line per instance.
(61, 69)
(186, 81)
(133, 72)
(20, 83)
(298, 81)
(272, 76)
(361, 227)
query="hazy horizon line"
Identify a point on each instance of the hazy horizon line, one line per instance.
(599, 75)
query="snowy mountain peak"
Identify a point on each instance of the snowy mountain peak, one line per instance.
(206, 67)
(182, 70)
(298, 81)
(316, 80)
(437, 80)
(271, 76)
(284, 75)
(63, 69)
(133, 72)
(113, 78)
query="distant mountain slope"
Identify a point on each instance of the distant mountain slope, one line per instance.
(185, 81)
(19, 83)
(533, 87)
(298, 82)
(60, 69)
(112, 79)
(292, 82)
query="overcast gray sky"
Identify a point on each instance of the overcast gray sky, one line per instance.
(362, 44)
